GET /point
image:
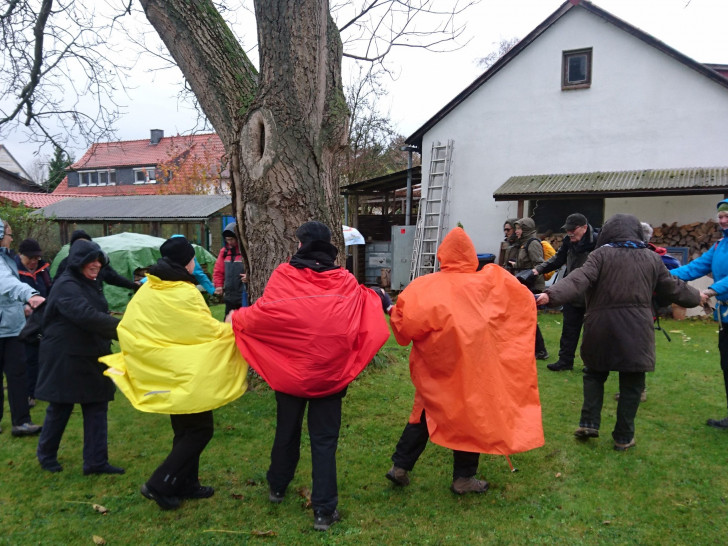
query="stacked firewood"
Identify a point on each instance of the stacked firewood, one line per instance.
(697, 237)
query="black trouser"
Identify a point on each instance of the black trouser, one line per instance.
(413, 442)
(12, 363)
(573, 320)
(95, 433)
(631, 385)
(324, 422)
(178, 473)
(540, 343)
(31, 363)
(723, 349)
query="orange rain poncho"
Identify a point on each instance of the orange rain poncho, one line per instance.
(472, 360)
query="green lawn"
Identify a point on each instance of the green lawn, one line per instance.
(670, 489)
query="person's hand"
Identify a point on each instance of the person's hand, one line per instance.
(705, 296)
(27, 310)
(386, 300)
(35, 301)
(542, 299)
(535, 271)
(244, 277)
(218, 291)
(229, 317)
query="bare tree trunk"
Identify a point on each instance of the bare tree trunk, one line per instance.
(282, 130)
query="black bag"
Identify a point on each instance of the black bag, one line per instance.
(32, 332)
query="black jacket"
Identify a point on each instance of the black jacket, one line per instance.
(108, 274)
(77, 330)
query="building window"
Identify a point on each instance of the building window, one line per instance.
(145, 175)
(97, 178)
(576, 69)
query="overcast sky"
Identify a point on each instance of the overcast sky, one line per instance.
(427, 81)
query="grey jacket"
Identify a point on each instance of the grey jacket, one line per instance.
(13, 295)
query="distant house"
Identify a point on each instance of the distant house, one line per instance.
(193, 164)
(12, 175)
(587, 113)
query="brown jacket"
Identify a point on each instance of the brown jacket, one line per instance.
(619, 283)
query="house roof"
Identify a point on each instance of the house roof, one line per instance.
(615, 184)
(141, 153)
(32, 199)
(10, 164)
(138, 208)
(706, 70)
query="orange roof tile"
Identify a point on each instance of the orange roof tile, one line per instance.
(35, 200)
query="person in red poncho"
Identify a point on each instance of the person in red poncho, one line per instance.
(309, 335)
(472, 364)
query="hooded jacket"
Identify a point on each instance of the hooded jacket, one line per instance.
(311, 332)
(618, 280)
(227, 270)
(472, 361)
(175, 356)
(529, 253)
(714, 261)
(77, 330)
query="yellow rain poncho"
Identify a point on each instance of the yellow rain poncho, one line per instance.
(175, 356)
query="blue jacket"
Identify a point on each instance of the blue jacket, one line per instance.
(13, 295)
(714, 261)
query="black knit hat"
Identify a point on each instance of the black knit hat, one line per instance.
(178, 250)
(79, 234)
(30, 248)
(313, 231)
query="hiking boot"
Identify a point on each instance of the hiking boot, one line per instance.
(322, 522)
(718, 423)
(584, 433)
(26, 429)
(624, 447)
(559, 366)
(164, 502)
(52, 466)
(542, 355)
(198, 492)
(104, 469)
(398, 476)
(276, 496)
(460, 486)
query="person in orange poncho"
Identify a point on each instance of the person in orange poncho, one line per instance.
(309, 335)
(472, 364)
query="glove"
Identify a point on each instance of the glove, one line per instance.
(386, 300)
(525, 276)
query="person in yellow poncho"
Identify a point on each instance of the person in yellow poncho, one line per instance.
(177, 359)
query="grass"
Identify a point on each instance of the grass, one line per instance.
(671, 488)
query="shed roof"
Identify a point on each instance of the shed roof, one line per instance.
(647, 182)
(138, 207)
(383, 184)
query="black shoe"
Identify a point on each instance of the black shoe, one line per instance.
(26, 429)
(106, 469)
(198, 492)
(322, 522)
(542, 355)
(560, 366)
(53, 466)
(718, 423)
(276, 496)
(165, 503)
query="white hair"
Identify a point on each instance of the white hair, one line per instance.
(647, 232)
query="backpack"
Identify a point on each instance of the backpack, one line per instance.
(548, 251)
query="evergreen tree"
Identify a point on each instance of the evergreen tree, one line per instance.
(57, 169)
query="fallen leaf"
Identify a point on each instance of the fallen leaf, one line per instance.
(98, 540)
(100, 509)
(250, 481)
(558, 474)
(606, 522)
(257, 533)
(236, 496)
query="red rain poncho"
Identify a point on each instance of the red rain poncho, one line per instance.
(310, 334)
(472, 360)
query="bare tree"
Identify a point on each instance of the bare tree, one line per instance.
(503, 47)
(283, 127)
(39, 170)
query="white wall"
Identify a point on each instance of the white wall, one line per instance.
(644, 110)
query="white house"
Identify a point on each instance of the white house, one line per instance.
(587, 95)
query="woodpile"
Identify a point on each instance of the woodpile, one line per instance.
(697, 237)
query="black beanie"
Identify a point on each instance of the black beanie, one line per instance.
(313, 231)
(79, 234)
(178, 250)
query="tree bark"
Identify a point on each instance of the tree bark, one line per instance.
(283, 130)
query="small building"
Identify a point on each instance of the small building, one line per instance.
(12, 175)
(197, 217)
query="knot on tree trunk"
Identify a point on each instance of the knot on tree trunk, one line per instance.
(258, 142)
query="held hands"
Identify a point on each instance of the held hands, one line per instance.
(35, 301)
(705, 296)
(542, 299)
(244, 278)
(218, 291)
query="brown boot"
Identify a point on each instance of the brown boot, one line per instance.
(398, 476)
(460, 486)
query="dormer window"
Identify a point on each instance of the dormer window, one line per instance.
(145, 175)
(576, 69)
